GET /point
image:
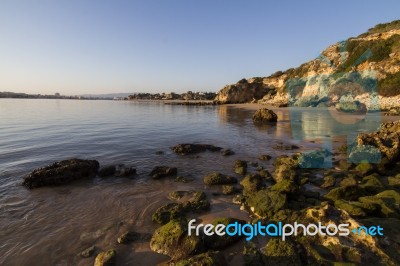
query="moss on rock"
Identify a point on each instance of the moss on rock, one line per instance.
(280, 252)
(172, 239)
(265, 203)
(216, 178)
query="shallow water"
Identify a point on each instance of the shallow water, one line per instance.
(49, 226)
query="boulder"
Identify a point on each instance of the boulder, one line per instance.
(252, 183)
(346, 193)
(172, 239)
(285, 168)
(229, 189)
(119, 170)
(386, 140)
(127, 237)
(265, 157)
(185, 149)
(216, 178)
(163, 171)
(264, 115)
(61, 173)
(168, 212)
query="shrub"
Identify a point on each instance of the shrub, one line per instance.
(390, 86)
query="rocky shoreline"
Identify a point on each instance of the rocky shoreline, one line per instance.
(296, 190)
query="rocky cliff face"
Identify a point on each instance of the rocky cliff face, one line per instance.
(365, 68)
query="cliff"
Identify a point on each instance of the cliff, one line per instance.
(364, 68)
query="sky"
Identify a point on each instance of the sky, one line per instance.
(92, 47)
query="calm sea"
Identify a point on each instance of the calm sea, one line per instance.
(49, 226)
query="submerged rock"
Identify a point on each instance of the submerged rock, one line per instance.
(61, 173)
(351, 107)
(185, 149)
(216, 178)
(264, 115)
(106, 258)
(172, 239)
(88, 252)
(163, 171)
(127, 237)
(265, 157)
(229, 190)
(286, 147)
(227, 152)
(119, 170)
(107, 171)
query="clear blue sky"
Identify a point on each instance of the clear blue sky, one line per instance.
(82, 46)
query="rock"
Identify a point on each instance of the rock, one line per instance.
(345, 193)
(265, 157)
(282, 253)
(159, 152)
(127, 237)
(282, 146)
(265, 173)
(185, 149)
(124, 171)
(285, 168)
(61, 173)
(354, 208)
(264, 115)
(329, 181)
(252, 183)
(251, 255)
(238, 199)
(229, 190)
(176, 195)
(386, 140)
(243, 91)
(88, 252)
(217, 242)
(351, 107)
(265, 203)
(314, 159)
(107, 171)
(350, 180)
(172, 239)
(163, 171)
(240, 167)
(388, 201)
(394, 180)
(364, 169)
(106, 258)
(372, 184)
(210, 258)
(215, 178)
(168, 212)
(227, 152)
(197, 202)
(365, 153)
(286, 186)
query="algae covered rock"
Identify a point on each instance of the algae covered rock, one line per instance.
(217, 242)
(265, 203)
(210, 258)
(265, 157)
(388, 202)
(106, 258)
(172, 239)
(168, 212)
(229, 190)
(313, 159)
(282, 253)
(216, 178)
(346, 193)
(61, 173)
(286, 186)
(285, 168)
(127, 237)
(264, 115)
(252, 183)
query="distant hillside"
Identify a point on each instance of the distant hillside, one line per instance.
(366, 64)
